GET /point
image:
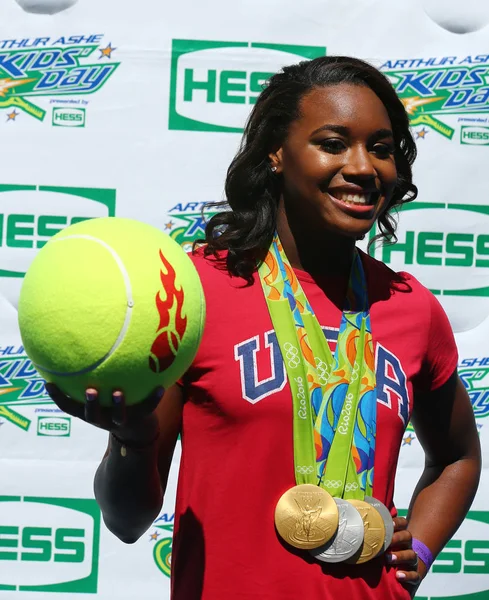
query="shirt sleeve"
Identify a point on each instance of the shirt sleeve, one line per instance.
(441, 357)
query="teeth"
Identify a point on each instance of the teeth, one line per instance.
(354, 198)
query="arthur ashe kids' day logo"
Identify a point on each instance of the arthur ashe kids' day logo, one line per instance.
(443, 94)
(63, 69)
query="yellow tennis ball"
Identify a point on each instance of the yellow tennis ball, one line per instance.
(111, 303)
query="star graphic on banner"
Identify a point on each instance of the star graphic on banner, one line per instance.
(169, 225)
(422, 133)
(107, 51)
(154, 536)
(409, 439)
(11, 116)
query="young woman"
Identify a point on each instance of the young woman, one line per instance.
(326, 154)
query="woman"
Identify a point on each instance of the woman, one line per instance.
(326, 154)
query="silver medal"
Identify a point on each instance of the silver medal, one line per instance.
(386, 517)
(348, 537)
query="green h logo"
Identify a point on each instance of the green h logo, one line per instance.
(214, 84)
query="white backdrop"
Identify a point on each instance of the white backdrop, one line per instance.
(118, 107)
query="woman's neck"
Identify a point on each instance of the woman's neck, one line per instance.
(324, 253)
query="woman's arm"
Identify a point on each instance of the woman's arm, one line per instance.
(444, 423)
(130, 482)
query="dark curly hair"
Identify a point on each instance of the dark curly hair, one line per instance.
(253, 191)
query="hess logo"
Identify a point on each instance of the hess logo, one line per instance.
(446, 247)
(54, 426)
(49, 544)
(214, 84)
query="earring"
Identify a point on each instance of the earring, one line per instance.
(273, 169)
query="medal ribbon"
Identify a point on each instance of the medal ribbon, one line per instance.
(334, 400)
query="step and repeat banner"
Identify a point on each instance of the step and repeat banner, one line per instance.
(135, 109)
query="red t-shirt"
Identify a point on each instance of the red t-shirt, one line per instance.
(237, 450)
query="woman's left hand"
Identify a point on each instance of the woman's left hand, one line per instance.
(410, 570)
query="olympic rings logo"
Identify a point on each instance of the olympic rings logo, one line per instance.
(333, 484)
(354, 375)
(292, 355)
(351, 487)
(305, 470)
(322, 371)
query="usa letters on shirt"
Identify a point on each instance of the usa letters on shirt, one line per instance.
(392, 389)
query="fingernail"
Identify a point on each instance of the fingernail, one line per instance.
(400, 575)
(391, 557)
(117, 396)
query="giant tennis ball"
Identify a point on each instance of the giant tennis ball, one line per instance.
(111, 303)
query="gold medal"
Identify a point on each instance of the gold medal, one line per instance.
(306, 516)
(374, 533)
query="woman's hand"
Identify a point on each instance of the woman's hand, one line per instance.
(136, 423)
(410, 570)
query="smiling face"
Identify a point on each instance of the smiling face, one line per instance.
(337, 162)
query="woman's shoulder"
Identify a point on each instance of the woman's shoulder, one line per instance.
(385, 282)
(208, 264)
(213, 270)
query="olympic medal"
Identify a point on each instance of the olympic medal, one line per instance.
(386, 517)
(306, 516)
(374, 533)
(348, 537)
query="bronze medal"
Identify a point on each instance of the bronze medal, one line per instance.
(374, 534)
(306, 516)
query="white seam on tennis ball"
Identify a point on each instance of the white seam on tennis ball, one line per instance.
(127, 318)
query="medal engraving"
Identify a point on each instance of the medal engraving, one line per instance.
(348, 537)
(374, 533)
(306, 516)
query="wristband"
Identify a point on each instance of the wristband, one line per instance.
(423, 552)
(124, 446)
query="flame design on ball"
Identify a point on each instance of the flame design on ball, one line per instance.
(173, 324)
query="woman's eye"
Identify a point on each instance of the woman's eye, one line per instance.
(332, 145)
(383, 150)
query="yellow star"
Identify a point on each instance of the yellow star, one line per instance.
(422, 133)
(409, 439)
(154, 536)
(169, 225)
(11, 117)
(107, 51)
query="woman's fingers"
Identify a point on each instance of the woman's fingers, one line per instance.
(401, 540)
(92, 407)
(118, 408)
(403, 557)
(411, 577)
(65, 403)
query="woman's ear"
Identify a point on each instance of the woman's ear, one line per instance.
(276, 161)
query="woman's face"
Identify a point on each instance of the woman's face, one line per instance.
(337, 162)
